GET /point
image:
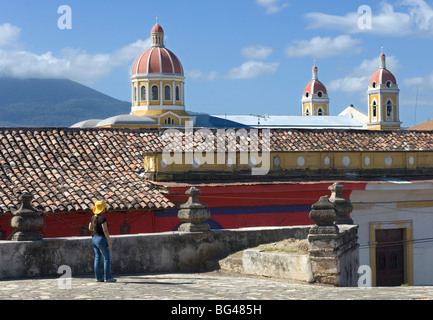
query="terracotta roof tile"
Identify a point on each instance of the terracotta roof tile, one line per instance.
(67, 169)
(428, 125)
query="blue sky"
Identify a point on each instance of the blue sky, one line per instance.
(239, 56)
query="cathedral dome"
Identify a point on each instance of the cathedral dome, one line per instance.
(157, 29)
(382, 76)
(315, 100)
(315, 86)
(157, 59)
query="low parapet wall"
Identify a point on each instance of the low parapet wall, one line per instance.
(331, 259)
(140, 253)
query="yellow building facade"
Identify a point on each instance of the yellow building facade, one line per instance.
(166, 167)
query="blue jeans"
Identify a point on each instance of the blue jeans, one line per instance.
(100, 245)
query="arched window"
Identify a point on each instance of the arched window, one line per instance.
(169, 120)
(143, 93)
(374, 107)
(389, 84)
(389, 108)
(306, 94)
(167, 92)
(320, 111)
(177, 93)
(307, 112)
(373, 84)
(135, 93)
(155, 93)
(320, 94)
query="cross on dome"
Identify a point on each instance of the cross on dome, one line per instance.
(315, 76)
(382, 60)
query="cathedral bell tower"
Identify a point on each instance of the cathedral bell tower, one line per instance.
(315, 100)
(383, 99)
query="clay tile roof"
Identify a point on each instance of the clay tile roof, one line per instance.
(67, 170)
(428, 125)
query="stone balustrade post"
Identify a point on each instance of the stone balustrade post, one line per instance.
(193, 213)
(26, 221)
(342, 205)
(333, 250)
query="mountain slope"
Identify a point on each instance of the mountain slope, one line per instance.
(53, 103)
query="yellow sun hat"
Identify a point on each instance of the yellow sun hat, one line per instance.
(99, 207)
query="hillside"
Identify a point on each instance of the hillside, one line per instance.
(53, 103)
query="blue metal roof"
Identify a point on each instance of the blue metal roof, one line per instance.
(277, 121)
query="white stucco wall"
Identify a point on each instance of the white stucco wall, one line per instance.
(398, 202)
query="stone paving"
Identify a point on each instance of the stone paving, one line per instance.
(215, 285)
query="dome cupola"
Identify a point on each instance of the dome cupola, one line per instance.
(315, 101)
(157, 59)
(158, 84)
(383, 99)
(157, 36)
(382, 76)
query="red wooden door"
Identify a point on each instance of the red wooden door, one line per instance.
(389, 257)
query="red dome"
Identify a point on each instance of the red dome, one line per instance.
(314, 87)
(157, 29)
(381, 76)
(157, 60)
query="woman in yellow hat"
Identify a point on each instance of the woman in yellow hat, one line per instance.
(101, 242)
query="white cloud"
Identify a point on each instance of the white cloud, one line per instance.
(423, 83)
(318, 20)
(358, 79)
(272, 6)
(256, 52)
(250, 69)
(319, 47)
(415, 20)
(9, 35)
(253, 69)
(422, 14)
(71, 63)
(196, 74)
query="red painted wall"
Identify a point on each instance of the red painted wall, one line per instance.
(232, 206)
(236, 206)
(69, 225)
